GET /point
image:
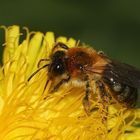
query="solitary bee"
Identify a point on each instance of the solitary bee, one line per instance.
(83, 65)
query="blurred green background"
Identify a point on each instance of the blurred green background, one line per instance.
(109, 25)
(112, 26)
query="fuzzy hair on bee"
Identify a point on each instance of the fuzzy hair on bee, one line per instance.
(82, 65)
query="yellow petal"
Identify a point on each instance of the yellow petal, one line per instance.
(28, 111)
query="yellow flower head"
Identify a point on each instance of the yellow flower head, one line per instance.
(28, 112)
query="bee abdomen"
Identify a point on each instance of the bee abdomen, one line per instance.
(128, 96)
(124, 94)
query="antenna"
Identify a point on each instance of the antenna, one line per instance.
(37, 72)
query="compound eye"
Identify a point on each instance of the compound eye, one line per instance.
(59, 69)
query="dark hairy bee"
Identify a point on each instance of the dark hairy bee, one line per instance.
(83, 65)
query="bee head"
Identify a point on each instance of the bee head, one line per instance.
(57, 66)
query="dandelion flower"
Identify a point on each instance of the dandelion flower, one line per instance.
(25, 114)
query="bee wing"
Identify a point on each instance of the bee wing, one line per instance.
(122, 73)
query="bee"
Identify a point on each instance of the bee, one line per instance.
(84, 64)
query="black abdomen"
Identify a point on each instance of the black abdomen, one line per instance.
(124, 94)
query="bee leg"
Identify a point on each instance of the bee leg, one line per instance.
(61, 45)
(38, 65)
(60, 83)
(86, 103)
(56, 86)
(104, 97)
(45, 85)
